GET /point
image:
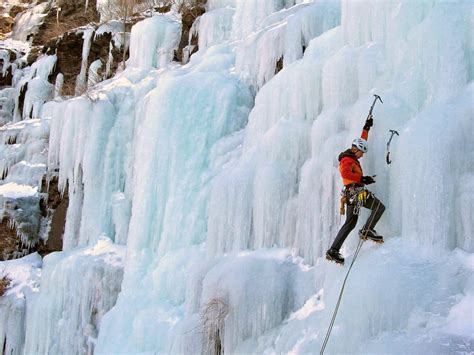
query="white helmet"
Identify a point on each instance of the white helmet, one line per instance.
(360, 144)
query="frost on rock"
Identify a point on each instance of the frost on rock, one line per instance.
(153, 41)
(84, 284)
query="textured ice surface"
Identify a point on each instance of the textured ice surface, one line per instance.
(84, 284)
(153, 41)
(23, 149)
(24, 275)
(226, 201)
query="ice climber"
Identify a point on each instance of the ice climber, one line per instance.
(356, 195)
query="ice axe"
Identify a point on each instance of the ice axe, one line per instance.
(387, 158)
(377, 97)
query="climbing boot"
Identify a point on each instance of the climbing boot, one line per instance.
(334, 255)
(370, 234)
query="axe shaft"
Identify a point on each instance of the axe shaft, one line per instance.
(377, 97)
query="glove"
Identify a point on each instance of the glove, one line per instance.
(367, 180)
(369, 123)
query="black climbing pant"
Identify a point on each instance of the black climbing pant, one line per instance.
(371, 203)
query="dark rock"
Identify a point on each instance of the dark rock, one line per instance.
(7, 79)
(16, 9)
(279, 65)
(33, 54)
(163, 9)
(189, 13)
(6, 24)
(54, 207)
(21, 98)
(8, 239)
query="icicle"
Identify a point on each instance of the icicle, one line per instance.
(58, 87)
(93, 76)
(110, 60)
(81, 78)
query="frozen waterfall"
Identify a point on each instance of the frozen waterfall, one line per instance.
(204, 196)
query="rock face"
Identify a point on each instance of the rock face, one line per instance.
(54, 209)
(6, 24)
(189, 15)
(8, 240)
(66, 16)
(7, 79)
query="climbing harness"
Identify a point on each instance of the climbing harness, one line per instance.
(359, 247)
(387, 157)
(355, 195)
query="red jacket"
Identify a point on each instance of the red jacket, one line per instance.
(349, 166)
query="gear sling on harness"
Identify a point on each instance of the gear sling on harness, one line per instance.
(353, 195)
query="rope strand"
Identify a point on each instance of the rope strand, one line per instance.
(359, 247)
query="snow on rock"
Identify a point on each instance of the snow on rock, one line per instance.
(115, 28)
(83, 283)
(153, 41)
(24, 275)
(15, 190)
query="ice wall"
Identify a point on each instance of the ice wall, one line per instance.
(283, 37)
(24, 156)
(39, 90)
(227, 201)
(153, 41)
(24, 275)
(95, 273)
(87, 147)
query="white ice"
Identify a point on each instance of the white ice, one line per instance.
(153, 41)
(15, 190)
(223, 186)
(24, 275)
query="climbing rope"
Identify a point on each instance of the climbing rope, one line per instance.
(359, 247)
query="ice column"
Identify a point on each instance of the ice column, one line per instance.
(153, 41)
(77, 289)
(86, 46)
